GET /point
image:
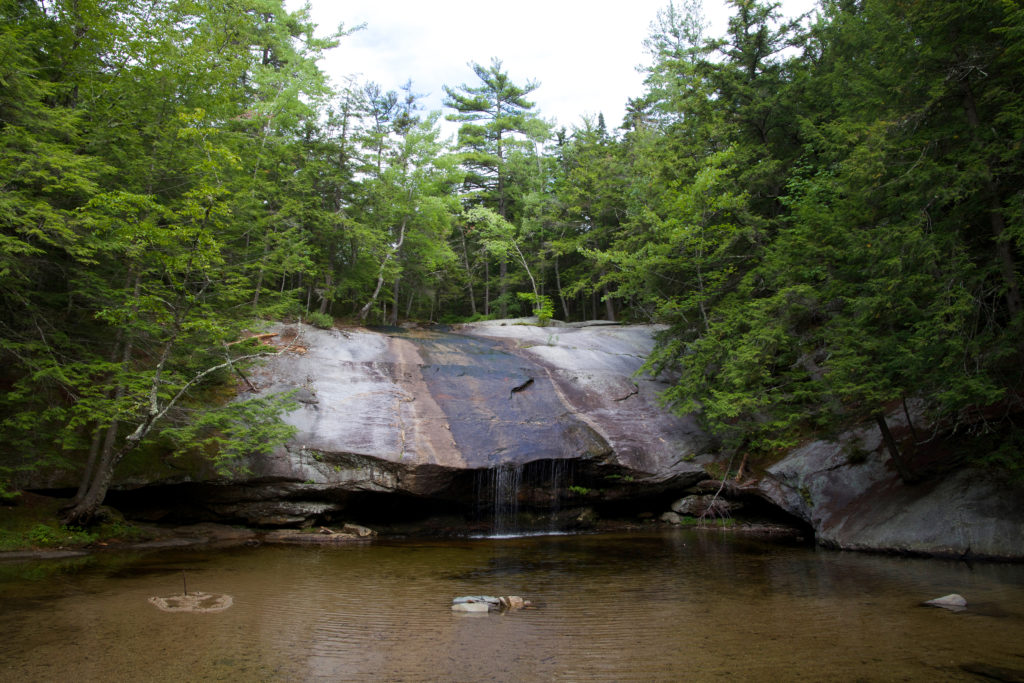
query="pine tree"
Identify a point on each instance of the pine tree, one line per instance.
(492, 114)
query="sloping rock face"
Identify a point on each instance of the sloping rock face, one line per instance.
(863, 504)
(434, 414)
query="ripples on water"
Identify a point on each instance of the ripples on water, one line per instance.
(679, 605)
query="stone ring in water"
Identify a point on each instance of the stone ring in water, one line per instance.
(193, 602)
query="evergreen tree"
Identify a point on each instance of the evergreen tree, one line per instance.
(492, 114)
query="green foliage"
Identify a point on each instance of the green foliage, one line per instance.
(704, 522)
(541, 305)
(321, 320)
(236, 430)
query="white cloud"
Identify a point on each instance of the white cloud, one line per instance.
(584, 54)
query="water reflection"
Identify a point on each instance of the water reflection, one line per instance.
(664, 606)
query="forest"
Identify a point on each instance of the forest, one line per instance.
(827, 213)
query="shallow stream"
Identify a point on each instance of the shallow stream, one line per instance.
(674, 605)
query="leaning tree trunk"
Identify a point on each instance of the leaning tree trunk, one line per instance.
(903, 468)
(364, 311)
(84, 511)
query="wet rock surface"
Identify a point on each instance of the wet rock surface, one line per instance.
(479, 397)
(433, 414)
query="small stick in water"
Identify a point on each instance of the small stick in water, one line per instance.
(184, 586)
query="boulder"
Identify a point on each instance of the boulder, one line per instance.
(671, 518)
(861, 503)
(358, 530)
(705, 506)
(275, 513)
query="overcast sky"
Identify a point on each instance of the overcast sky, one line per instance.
(585, 57)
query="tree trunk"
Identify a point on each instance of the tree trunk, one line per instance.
(259, 276)
(394, 301)
(503, 288)
(902, 466)
(609, 305)
(90, 464)
(103, 440)
(487, 286)
(561, 295)
(380, 274)
(83, 512)
(469, 273)
(325, 298)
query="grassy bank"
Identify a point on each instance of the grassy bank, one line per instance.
(32, 522)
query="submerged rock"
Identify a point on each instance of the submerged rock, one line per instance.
(480, 599)
(485, 603)
(994, 673)
(471, 607)
(196, 602)
(297, 537)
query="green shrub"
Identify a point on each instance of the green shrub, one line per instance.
(47, 536)
(542, 306)
(321, 320)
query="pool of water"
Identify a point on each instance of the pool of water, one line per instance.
(674, 605)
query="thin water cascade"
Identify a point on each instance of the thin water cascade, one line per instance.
(523, 499)
(506, 481)
(560, 477)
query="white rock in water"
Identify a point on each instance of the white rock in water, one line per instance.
(489, 599)
(471, 607)
(953, 601)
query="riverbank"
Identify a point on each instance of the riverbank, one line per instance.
(30, 531)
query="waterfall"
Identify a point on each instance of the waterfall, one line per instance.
(505, 483)
(557, 478)
(523, 499)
